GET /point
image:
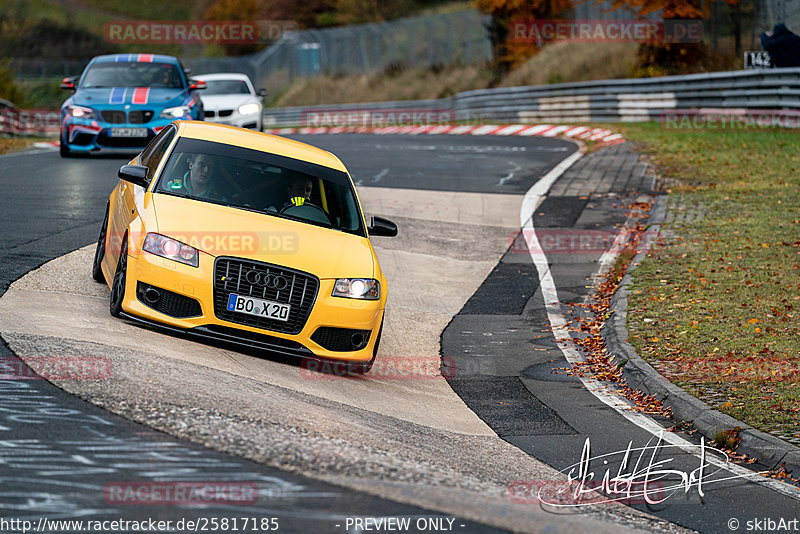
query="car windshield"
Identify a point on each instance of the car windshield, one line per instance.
(132, 74)
(226, 87)
(259, 181)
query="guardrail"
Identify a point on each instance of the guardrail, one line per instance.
(639, 99)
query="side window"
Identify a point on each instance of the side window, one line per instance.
(152, 155)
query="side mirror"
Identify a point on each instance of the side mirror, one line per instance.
(382, 227)
(262, 93)
(196, 85)
(135, 174)
(68, 83)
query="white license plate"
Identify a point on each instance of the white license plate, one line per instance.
(128, 132)
(259, 307)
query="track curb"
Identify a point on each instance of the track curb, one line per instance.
(769, 450)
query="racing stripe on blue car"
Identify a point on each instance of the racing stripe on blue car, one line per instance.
(117, 95)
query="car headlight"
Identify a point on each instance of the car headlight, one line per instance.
(248, 109)
(175, 113)
(357, 288)
(171, 249)
(80, 112)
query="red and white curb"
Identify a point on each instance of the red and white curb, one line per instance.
(544, 130)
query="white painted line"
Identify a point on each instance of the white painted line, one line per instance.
(560, 329)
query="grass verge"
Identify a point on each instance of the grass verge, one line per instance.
(15, 144)
(715, 306)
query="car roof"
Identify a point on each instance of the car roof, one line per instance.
(223, 76)
(135, 58)
(273, 144)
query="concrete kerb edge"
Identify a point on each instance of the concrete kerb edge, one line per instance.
(639, 374)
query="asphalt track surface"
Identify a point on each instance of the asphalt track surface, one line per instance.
(78, 448)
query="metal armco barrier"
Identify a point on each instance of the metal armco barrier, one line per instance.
(640, 99)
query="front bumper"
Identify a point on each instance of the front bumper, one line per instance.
(234, 118)
(197, 283)
(84, 135)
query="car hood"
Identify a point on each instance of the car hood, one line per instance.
(224, 231)
(215, 102)
(123, 96)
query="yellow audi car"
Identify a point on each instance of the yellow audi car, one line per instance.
(229, 234)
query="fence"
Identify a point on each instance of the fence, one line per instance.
(639, 99)
(455, 38)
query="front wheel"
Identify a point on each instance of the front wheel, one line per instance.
(63, 149)
(118, 285)
(100, 252)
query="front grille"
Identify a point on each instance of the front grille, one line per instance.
(211, 114)
(300, 293)
(169, 303)
(140, 116)
(114, 116)
(103, 139)
(340, 339)
(225, 112)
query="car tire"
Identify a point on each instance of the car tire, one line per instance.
(100, 252)
(64, 150)
(118, 284)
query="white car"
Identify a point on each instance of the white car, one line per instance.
(229, 98)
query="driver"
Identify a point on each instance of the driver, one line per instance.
(299, 191)
(197, 182)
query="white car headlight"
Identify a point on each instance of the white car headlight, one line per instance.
(357, 288)
(171, 249)
(248, 109)
(176, 112)
(80, 112)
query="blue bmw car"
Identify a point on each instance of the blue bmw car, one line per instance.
(122, 101)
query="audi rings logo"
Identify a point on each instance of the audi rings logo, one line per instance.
(273, 281)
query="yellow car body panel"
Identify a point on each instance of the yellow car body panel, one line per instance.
(222, 231)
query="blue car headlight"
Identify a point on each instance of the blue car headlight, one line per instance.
(80, 112)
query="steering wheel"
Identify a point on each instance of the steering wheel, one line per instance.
(307, 211)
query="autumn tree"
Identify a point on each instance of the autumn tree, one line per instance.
(234, 10)
(509, 53)
(654, 59)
